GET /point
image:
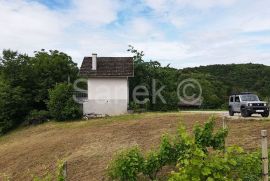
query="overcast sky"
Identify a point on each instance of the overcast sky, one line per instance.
(184, 33)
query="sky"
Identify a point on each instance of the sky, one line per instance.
(182, 33)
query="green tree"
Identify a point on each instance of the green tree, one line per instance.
(61, 104)
(12, 106)
(17, 71)
(25, 82)
(51, 68)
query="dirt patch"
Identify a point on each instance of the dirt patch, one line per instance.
(89, 147)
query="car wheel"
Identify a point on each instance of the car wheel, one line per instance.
(231, 113)
(265, 114)
(244, 113)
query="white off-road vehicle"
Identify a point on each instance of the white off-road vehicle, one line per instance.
(247, 104)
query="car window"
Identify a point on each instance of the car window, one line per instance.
(250, 97)
(237, 99)
(231, 99)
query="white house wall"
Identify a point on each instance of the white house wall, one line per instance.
(107, 96)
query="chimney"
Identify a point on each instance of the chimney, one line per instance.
(94, 61)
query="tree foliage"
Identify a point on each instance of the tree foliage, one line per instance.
(217, 82)
(51, 68)
(25, 82)
(12, 106)
(61, 104)
(205, 136)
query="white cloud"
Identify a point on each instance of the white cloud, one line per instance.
(95, 12)
(205, 4)
(141, 26)
(140, 29)
(169, 34)
(163, 50)
(167, 5)
(26, 25)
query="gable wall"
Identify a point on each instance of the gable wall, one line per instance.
(107, 96)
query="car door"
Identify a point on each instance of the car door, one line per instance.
(237, 104)
(231, 102)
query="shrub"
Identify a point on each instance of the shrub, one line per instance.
(127, 165)
(249, 166)
(182, 144)
(207, 167)
(205, 136)
(12, 106)
(152, 165)
(61, 104)
(131, 163)
(166, 151)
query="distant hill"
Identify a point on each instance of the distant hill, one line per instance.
(239, 77)
(236, 77)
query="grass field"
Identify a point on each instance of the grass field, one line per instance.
(88, 146)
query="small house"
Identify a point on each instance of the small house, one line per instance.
(108, 88)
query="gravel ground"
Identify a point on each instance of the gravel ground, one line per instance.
(226, 114)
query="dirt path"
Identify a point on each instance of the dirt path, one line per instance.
(88, 146)
(226, 114)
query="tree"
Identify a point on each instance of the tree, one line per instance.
(51, 68)
(25, 82)
(17, 72)
(12, 106)
(61, 104)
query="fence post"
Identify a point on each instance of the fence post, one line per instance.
(264, 155)
(224, 122)
(65, 170)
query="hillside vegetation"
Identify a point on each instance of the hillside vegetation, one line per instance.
(217, 82)
(239, 77)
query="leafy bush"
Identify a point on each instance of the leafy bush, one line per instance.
(12, 106)
(170, 151)
(207, 167)
(61, 104)
(127, 165)
(166, 151)
(152, 165)
(205, 136)
(249, 166)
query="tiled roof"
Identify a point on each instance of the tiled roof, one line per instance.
(108, 67)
